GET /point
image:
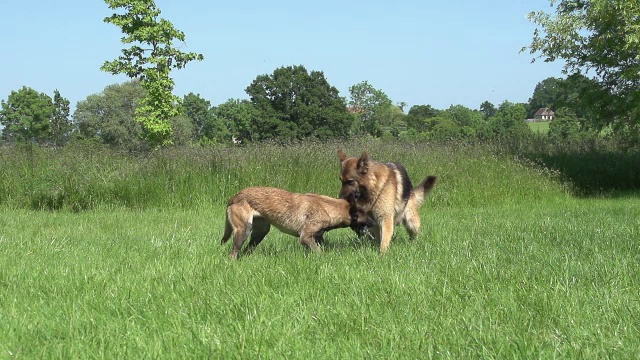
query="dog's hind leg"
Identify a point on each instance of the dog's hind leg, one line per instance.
(242, 231)
(228, 229)
(411, 222)
(260, 229)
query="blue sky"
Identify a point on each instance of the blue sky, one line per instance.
(420, 52)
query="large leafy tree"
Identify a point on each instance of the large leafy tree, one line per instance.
(577, 92)
(198, 110)
(293, 103)
(417, 116)
(509, 121)
(488, 109)
(599, 38)
(109, 116)
(468, 120)
(372, 108)
(150, 58)
(238, 117)
(26, 116)
(206, 126)
(565, 126)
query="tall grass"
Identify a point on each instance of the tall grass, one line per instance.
(508, 263)
(87, 177)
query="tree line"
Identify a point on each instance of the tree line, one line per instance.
(597, 38)
(290, 104)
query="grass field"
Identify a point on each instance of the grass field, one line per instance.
(509, 264)
(541, 127)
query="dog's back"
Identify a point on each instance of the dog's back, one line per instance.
(255, 209)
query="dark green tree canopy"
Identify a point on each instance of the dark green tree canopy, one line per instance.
(109, 116)
(26, 116)
(488, 109)
(509, 121)
(239, 118)
(202, 115)
(60, 120)
(372, 108)
(292, 103)
(565, 126)
(417, 116)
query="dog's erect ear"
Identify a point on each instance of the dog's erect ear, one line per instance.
(342, 155)
(363, 163)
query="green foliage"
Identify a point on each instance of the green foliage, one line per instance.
(488, 109)
(109, 116)
(238, 116)
(417, 116)
(471, 122)
(150, 59)
(456, 122)
(509, 121)
(395, 121)
(371, 107)
(443, 128)
(588, 99)
(26, 116)
(547, 94)
(183, 130)
(599, 37)
(565, 125)
(60, 121)
(206, 125)
(293, 104)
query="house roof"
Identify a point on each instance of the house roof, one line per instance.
(544, 111)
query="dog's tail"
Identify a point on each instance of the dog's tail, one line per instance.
(421, 191)
(228, 230)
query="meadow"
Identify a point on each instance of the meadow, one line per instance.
(111, 255)
(539, 127)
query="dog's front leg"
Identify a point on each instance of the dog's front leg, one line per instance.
(307, 239)
(386, 232)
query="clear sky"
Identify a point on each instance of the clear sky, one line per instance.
(440, 53)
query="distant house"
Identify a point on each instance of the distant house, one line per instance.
(543, 114)
(355, 110)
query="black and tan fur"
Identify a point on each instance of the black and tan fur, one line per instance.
(307, 216)
(385, 192)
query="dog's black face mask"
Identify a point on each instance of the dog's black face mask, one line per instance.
(360, 220)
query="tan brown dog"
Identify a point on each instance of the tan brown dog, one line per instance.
(308, 216)
(385, 192)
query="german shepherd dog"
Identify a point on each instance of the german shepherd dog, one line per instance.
(307, 216)
(384, 191)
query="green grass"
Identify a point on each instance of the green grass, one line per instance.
(509, 264)
(550, 279)
(541, 127)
